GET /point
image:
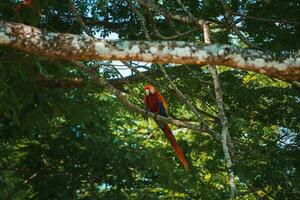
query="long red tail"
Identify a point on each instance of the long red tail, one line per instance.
(166, 129)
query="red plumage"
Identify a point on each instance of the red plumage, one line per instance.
(25, 3)
(166, 129)
(155, 102)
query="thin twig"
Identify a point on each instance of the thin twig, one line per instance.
(127, 82)
(226, 139)
(141, 17)
(184, 19)
(79, 19)
(31, 177)
(234, 27)
(175, 36)
(264, 19)
(185, 9)
(4, 185)
(180, 94)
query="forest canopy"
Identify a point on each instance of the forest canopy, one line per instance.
(73, 123)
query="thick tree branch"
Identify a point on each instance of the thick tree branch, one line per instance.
(79, 47)
(59, 83)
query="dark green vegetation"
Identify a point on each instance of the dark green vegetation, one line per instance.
(63, 136)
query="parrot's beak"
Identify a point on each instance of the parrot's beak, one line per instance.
(147, 92)
(152, 90)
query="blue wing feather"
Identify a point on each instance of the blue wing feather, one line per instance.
(162, 110)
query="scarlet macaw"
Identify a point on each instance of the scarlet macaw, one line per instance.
(25, 3)
(155, 102)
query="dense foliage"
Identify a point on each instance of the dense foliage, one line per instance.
(60, 140)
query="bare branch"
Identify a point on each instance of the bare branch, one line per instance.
(177, 35)
(225, 139)
(233, 26)
(79, 47)
(60, 83)
(142, 19)
(264, 19)
(137, 77)
(79, 19)
(185, 9)
(143, 75)
(153, 6)
(243, 38)
(127, 83)
(180, 94)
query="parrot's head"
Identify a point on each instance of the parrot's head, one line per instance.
(149, 89)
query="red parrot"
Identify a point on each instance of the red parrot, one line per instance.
(24, 3)
(155, 102)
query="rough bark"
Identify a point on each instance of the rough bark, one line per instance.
(225, 139)
(80, 47)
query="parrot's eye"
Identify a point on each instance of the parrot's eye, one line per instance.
(147, 91)
(152, 90)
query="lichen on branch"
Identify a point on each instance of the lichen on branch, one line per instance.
(80, 47)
